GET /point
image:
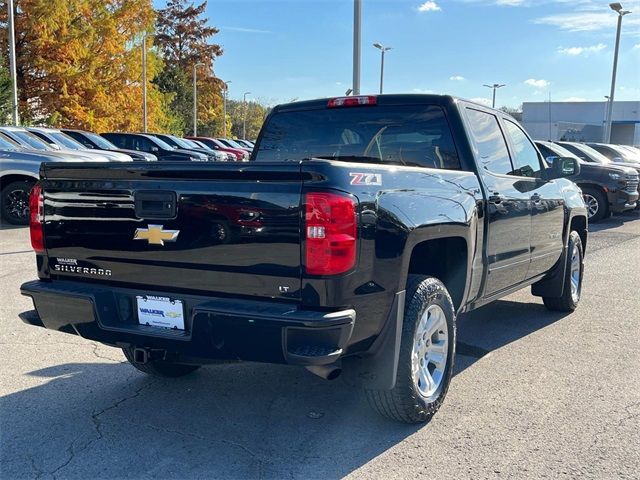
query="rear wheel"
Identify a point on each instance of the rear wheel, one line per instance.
(574, 269)
(159, 368)
(427, 350)
(596, 202)
(15, 202)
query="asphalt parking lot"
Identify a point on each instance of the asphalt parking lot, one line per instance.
(536, 395)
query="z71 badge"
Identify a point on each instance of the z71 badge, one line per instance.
(365, 178)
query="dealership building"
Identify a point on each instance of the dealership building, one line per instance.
(582, 121)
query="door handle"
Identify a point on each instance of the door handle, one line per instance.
(496, 198)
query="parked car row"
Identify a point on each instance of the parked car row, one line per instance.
(608, 176)
(23, 150)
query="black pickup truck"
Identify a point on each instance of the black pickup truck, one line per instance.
(358, 232)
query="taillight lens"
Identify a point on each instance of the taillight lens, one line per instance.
(358, 101)
(36, 217)
(330, 230)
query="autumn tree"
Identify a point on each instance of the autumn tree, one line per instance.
(79, 64)
(183, 40)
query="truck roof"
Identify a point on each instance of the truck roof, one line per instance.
(385, 99)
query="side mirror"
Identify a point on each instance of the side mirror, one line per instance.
(155, 149)
(564, 167)
(55, 146)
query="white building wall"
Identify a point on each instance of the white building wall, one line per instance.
(582, 121)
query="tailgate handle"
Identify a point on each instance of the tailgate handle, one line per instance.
(155, 204)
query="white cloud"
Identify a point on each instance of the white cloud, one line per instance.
(584, 21)
(537, 83)
(245, 30)
(510, 3)
(429, 6)
(575, 99)
(422, 90)
(482, 101)
(575, 51)
(456, 78)
(636, 46)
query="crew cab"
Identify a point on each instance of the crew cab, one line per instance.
(360, 230)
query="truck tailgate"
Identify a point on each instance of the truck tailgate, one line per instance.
(219, 228)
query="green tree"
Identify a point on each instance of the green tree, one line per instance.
(5, 92)
(183, 40)
(255, 115)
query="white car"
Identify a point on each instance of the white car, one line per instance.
(59, 139)
(35, 144)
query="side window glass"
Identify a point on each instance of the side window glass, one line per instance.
(546, 153)
(136, 143)
(491, 146)
(526, 158)
(42, 137)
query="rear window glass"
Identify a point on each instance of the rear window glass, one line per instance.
(414, 135)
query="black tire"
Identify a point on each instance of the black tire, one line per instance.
(568, 302)
(160, 368)
(14, 202)
(405, 402)
(597, 195)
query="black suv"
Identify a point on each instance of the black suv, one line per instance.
(606, 189)
(178, 142)
(96, 142)
(148, 143)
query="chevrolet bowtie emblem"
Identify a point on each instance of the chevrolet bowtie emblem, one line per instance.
(155, 235)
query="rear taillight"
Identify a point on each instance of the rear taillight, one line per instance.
(330, 231)
(36, 217)
(352, 101)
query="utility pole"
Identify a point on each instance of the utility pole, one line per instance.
(144, 83)
(494, 87)
(195, 99)
(15, 115)
(604, 126)
(550, 139)
(225, 94)
(244, 119)
(357, 22)
(383, 50)
(621, 13)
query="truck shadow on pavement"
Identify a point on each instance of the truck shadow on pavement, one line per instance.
(106, 420)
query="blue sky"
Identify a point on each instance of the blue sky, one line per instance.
(281, 50)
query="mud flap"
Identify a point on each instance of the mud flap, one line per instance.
(552, 285)
(378, 370)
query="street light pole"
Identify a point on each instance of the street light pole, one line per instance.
(383, 50)
(494, 87)
(621, 13)
(357, 22)
(244, 119)
(195, 99)
(12, 64)
(224, 104)
(604, 125)
(144, 83)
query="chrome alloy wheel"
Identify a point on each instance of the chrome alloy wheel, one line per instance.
(592, 204)
(576, 274)
(430, 349)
